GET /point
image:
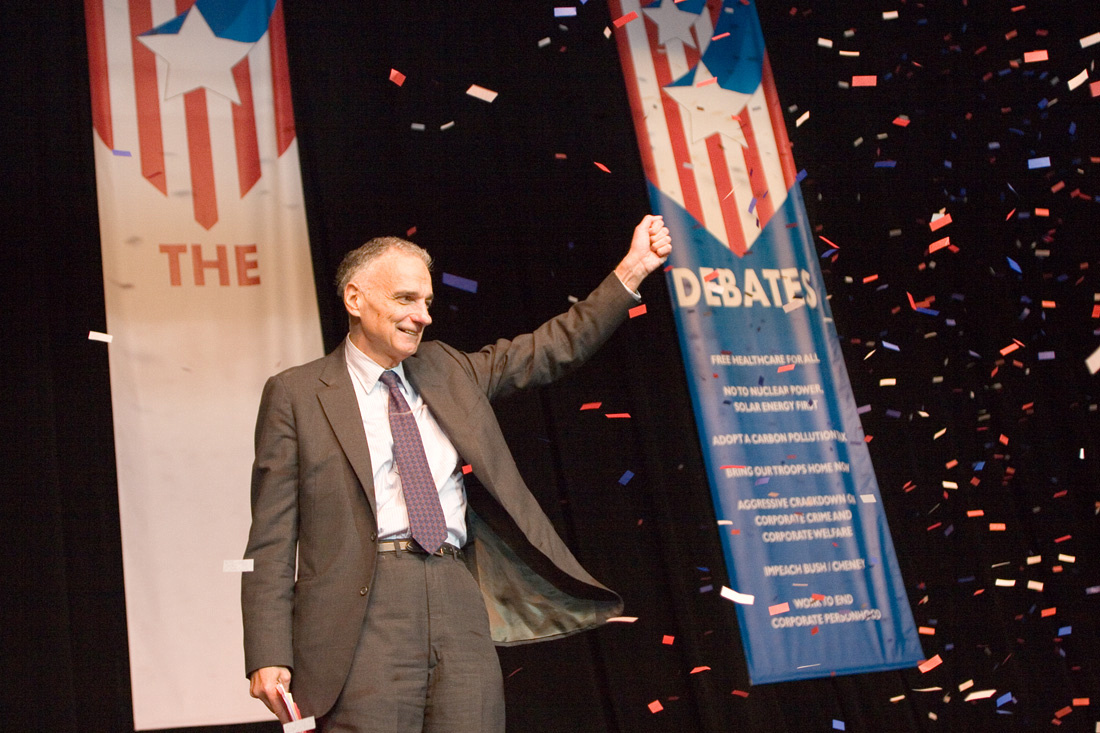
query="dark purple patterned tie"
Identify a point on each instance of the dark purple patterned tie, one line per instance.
(427, 524)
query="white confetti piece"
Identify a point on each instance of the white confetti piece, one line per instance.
(868, 498)
(97, 336)
(1093, 362)
(478, 92)
(1078, 80)
(237, 566)
(1090, 40)
(742, 598)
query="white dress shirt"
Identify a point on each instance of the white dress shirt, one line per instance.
(443, 459)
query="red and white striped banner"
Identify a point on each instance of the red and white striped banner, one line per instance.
(722, 155)
(209, 290)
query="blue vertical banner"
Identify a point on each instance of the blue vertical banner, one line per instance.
(811, 563)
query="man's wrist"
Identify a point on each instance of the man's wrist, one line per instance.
(631, 274)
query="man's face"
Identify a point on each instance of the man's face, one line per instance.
(390, 298)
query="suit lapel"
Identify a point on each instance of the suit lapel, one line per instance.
(337, 397)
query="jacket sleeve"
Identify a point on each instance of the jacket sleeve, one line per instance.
(555, 348)
(267, 593)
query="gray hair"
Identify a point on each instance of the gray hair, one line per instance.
(359, 258)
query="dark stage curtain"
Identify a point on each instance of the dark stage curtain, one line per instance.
(490, 199)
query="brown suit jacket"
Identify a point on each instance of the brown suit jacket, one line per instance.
(313, 500)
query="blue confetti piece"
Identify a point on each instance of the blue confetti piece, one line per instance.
(461, 283)
(888, 345)
(930, 312)
(1065, 631)
(625, 478)
(565, 12)
(947, 164)
(885, 163)
(121, 153)
(752, 204)
(1033, 163)
(893, 413)
(949, 531)
(1007, 697)
(706, 589)
(967, 579)
(1073, 128)
(1046, 355)
(862, 409)
(701, 569)
(801, 176)
(838, 724)
(1013, 265)
(762, 481)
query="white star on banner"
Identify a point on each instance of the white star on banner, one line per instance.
(672, 22)
(711, 107)
(197, 58)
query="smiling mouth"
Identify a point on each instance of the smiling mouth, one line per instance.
(411, 333)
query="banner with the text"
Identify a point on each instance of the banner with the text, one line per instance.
(209, 290)
(811, 563)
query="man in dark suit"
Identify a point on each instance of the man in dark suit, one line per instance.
(394, 541)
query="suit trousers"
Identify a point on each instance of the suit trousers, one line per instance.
(425, 661)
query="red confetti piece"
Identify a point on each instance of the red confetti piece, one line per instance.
(926, 630)
(706, 82)
(638, 310)
(1010, 214)
(870, 278)
(902, 121)
(696, 670)
(1009, 349)
(1048, 612)
(591, 405)
(865, 81)
(778, 609)
(976, 513)
(817, 596)
(656, 706)
(740, 693)
(940, 223)
(1031, 57)
(397, 77)
(614, 415)
(713, 274)
(785, 368)
(828, 242)
(814, 631)
(1042, 212)
(620, 22)
(410, 231)
(725, 467)
(939, 244)
(720, 36)
(930, 664)
(560, 156)
(666, 639)
(602, 167)
(1063, 538)
(467, 468)
(996, 526)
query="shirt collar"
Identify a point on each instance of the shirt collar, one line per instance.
(366, 369)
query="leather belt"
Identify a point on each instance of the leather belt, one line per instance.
(410, 545)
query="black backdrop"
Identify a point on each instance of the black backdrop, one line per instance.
(493, 203)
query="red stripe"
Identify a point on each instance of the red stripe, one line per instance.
(280, 80)
(201, 157)
(715, 9)
(757, 181)
(675, 127)
(244, 130)
(147, 98)
(730, 215)
(779, 128)
(97, 68)
(632, 92)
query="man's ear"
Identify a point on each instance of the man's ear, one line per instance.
(353, 299)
